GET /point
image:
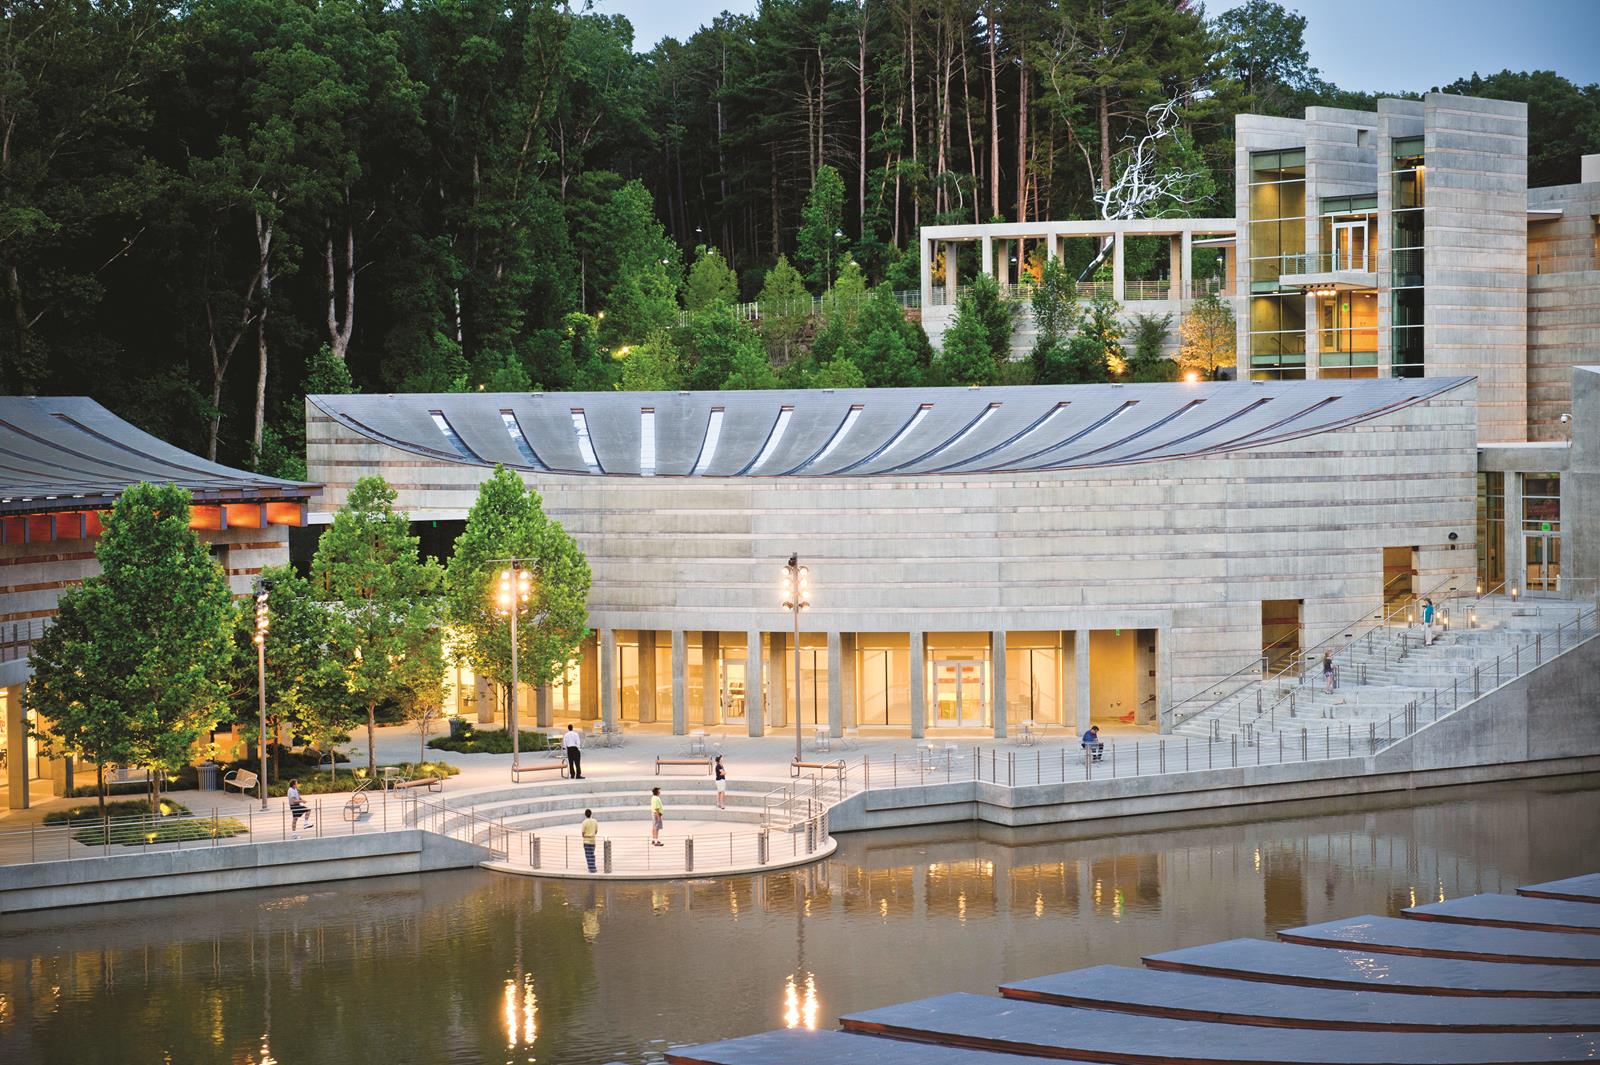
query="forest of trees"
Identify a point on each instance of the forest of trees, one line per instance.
(208, 209)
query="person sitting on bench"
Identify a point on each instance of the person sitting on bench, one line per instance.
(1092, 744)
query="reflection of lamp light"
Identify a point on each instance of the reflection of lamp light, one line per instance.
(521, 1008)
(800, 1007)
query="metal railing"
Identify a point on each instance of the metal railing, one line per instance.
(755, 310)
(96, 837)
(1486, 677)
(629, 856)
(1325, 262)
(1551, 263)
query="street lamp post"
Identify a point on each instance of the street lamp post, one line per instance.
(796, 597)
(516, 585)
(263, 621)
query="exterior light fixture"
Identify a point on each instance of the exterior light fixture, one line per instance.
(1513, 594)
(1192, 377)
(796, 597)
(514, 590)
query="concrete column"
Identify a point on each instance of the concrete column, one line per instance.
(1118, 260)
(1230, 273)
(925, 254)
(1516, 554)
(835, 685)
(61, 776)
(777, 679)
(589, 678)
(988, 255)
(919, 695)
(1002, 262)
(997, 664)
(608, 676)
(1186, 265)
(847, 679)
(710, 678)
(1080, 662)
(17, 760)
(1175, 271)
(541, 706)
(754, 706)
(647, 675)
(680, 682)
(483, 700)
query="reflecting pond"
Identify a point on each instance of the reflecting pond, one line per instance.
(473, 966)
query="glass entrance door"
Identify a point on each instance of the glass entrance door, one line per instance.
(1350, 245)
(733, 689)
(1542, 552)
(959, 692)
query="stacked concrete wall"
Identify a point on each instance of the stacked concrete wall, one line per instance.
(1563, 301)
(1188, 548)
(1475, 293)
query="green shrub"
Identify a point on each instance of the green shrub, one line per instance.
(347, 780)
(138, 833)
(493, 742)
(91, 811)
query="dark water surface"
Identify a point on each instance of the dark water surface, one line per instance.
(478, 967)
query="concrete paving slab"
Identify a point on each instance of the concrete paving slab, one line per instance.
(1315, 966)
(1187, 996)
(1513, 911)
(982, 1023)
(1584, 888)
(1397, 935)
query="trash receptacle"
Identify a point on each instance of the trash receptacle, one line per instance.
(208, 776)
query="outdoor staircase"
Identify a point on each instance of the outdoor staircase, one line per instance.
(1388, 669)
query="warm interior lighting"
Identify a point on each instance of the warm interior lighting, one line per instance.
(1192, 376)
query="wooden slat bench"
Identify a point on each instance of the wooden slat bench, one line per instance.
(432, 783)
(560, 768)
(694, 760)
(797, 765)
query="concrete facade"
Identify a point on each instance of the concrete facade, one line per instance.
(1171, 557)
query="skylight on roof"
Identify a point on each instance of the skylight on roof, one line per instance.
(839, 435)
(708, 447)
(449, 433)
(580, 425)
(514, 430)
(916, 420)
(774, 438)
(647, 442)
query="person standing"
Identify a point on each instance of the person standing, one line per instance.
(591, 830)
(722, 784)
(657, 812)
(297, 807)
(1427, 621)
(573, 742)
(1327, 671)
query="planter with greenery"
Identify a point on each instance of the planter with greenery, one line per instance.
(468, 740)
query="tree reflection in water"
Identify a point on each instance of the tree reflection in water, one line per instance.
(471, 966)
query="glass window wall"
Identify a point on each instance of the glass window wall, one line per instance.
(1277, 240)
(1407, 219)
(1033, 677)
(1491, 529)
(1348, 335)
(1278, 337)
(813, 701)
(883, 679)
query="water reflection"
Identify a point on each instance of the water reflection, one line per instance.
(474, 967)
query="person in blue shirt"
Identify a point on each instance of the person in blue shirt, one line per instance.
(1092, 744)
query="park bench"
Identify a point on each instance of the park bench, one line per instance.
(693, 759)
(431, 782)
(539, 767)
(797, 765)
(243, 779)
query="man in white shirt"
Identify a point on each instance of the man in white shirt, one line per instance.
(573, 742)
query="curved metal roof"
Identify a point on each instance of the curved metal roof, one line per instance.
(865, 432)
(70, 453)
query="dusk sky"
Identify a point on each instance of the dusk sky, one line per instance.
(1370, 45)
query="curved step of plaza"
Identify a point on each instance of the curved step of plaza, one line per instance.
(1391, 669)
